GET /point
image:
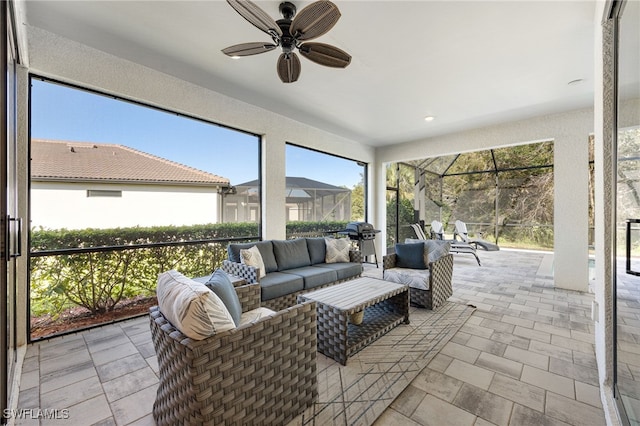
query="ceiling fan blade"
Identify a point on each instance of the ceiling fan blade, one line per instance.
(314, 20)
(247, 49)
(325, 54)
(256, 16)
(288, 67)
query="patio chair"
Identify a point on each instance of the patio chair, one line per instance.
(417, 228)
(426, 266)
(437, 233)
(461, 232)
(260, 372)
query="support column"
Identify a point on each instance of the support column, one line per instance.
(570, 216)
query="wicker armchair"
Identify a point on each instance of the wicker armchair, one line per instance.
(260, 373)
(438, 276)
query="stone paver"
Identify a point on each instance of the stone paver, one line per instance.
(525, 356)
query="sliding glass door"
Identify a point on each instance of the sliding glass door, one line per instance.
(8, 210)
(627, 289)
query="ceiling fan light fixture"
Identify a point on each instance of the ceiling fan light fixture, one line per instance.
(429, 118)
(289, 33)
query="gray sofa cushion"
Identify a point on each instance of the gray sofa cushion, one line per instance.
(291, 254)
(266, 251)
(277, 284)
(344, 270)
(314, 277)
(317, 250)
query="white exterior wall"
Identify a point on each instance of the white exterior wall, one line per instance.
(56, 205)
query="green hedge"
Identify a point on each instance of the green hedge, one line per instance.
(99, 280)
(56, 239)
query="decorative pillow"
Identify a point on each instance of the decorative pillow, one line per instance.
(410, 256)
(337, 250)
(291, 254)
(266, 251)
(191, 307)
(221, 285)
(252, 257)
(437, 249)
(421, 242)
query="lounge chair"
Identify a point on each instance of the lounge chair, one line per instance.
(461, 232)
(417, 228)
(437, 233)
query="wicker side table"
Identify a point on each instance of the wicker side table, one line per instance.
(385, 306)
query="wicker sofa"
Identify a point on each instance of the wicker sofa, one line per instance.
(262, 372)
(292, 267)
(430, 286)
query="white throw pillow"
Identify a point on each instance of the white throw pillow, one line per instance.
(252, 257)
(191, 307)
(337, 250)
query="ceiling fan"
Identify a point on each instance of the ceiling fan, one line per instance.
(291, 33)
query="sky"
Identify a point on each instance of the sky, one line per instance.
(62, 113)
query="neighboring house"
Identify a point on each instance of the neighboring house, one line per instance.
(306, 200)
(77, 185)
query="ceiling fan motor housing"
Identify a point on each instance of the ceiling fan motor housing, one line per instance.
(287, 41)
(287, 10)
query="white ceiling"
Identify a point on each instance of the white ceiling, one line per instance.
(468, 63)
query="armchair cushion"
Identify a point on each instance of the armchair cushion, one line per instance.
(337, 250)
(191, 307)
(252, 257)
(291, 254)
(221, 285)
(255, 315)
(414, 278)
(410, 256)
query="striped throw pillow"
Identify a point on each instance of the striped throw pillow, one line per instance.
(191, 307)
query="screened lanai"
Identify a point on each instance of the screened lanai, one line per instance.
(306, 200)
(504, 195)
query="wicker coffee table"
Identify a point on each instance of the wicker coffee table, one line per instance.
(385, 305)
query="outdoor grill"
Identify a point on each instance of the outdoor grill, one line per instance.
(364, 234)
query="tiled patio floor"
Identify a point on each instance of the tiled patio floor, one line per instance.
(525, 357)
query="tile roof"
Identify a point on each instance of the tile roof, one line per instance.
(54, 160)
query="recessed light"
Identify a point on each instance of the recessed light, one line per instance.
(429, 118)
(576, 81)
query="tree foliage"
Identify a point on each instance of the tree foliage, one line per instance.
(508, 190)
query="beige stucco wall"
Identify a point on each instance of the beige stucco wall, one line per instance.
(570, 133)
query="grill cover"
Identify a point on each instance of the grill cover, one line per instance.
(358, 228)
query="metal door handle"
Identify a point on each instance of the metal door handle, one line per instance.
(18, 252)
